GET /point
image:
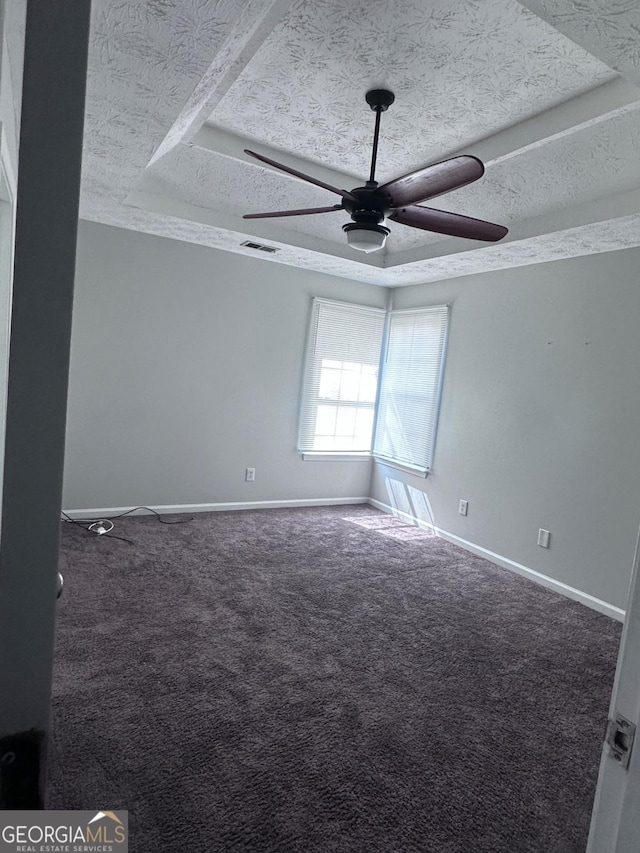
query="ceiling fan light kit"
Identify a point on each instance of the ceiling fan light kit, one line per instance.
(365, 238)
(398, 200)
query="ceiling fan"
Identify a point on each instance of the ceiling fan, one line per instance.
(397, 200)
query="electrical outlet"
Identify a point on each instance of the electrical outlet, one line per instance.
(463, 507)
(543, 538)
(250, 475)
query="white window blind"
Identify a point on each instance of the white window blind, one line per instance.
(340, 378)
(410, 386)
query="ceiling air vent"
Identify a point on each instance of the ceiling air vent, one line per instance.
(259, 246)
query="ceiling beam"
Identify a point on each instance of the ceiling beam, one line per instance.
(573, 116)
(608, 31)
(256, 21)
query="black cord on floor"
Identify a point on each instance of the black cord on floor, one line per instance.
(128, 512)
(83, 523)
(157, 514)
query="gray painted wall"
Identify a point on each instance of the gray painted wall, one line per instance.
(186, 366)
(540, 418)
(185, 370)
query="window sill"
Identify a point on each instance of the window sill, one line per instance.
(416, 470)
(319, 456)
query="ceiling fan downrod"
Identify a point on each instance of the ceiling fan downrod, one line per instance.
(379, 100)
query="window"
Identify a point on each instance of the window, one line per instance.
(341, 378)
(410, 387)
(342, 399)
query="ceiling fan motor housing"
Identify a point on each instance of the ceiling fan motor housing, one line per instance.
(368, 208)
(368, 204)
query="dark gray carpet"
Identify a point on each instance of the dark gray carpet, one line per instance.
(323, 681)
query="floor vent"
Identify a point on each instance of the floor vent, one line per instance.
(259, 246)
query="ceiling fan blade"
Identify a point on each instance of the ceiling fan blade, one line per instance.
(433, 180)
(298, 174)
(303, 212)
(452, 224)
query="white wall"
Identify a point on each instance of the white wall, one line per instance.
(185, 369)
(540, 418)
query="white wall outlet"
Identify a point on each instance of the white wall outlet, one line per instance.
(463, 507)
(250, 475)
(543, 538)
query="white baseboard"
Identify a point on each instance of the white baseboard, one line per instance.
(544, 580)
(172, 509)
(498, 559)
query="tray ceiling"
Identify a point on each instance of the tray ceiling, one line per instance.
(548, 99)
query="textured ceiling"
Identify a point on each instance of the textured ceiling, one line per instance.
(543, 92)
(460, 72)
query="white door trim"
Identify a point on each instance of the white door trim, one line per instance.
(615, 820)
